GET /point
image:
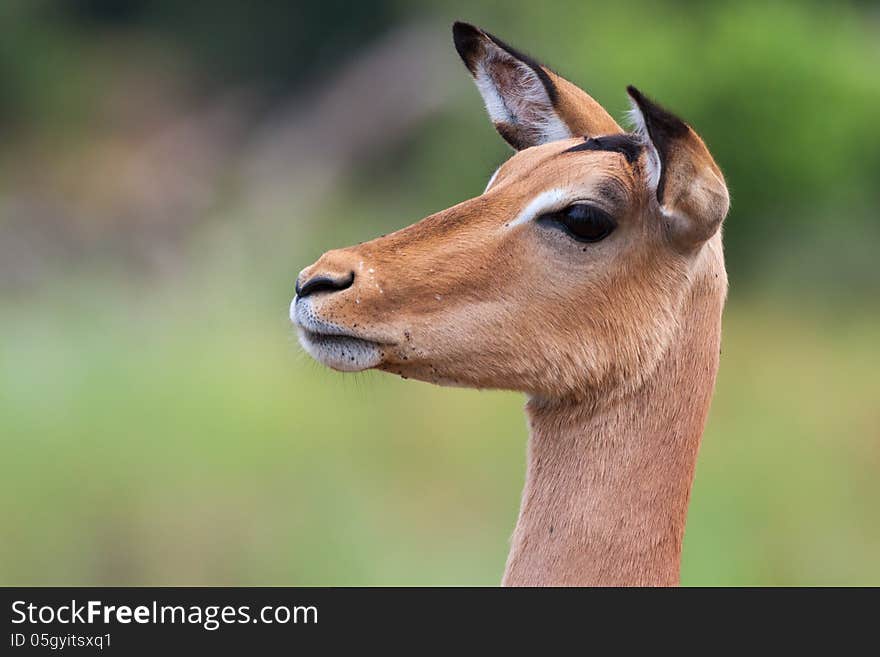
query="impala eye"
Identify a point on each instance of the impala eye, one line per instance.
(583, 222)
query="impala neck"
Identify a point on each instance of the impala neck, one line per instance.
(608, 482)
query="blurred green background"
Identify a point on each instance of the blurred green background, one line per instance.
(168, 168)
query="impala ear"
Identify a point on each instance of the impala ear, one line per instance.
(528, 103)
(689, 185)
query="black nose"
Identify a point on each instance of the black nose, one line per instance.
(324, 283)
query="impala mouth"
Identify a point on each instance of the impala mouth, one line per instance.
(341, 352)
(333, 345)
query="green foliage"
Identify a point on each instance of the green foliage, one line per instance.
(785, 94)
(172, 440)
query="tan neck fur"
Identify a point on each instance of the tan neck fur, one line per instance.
(608, 481)
(589, 275)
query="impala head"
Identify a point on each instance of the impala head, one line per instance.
(565, 275)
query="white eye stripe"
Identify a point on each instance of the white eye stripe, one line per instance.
(548, 201)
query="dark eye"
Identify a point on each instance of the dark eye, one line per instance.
(583, 222)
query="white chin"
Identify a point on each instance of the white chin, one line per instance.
(339, 352)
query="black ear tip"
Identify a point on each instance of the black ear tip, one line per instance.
(461, 28)
(645, 104)
(636, 95)
(656, 115)
(466, 38)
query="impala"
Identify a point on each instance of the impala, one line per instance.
(590, 276)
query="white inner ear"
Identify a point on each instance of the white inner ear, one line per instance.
(514, 94)
(547, 201)
(491, 180)
(653, 165)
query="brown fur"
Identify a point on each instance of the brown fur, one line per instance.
(583, 115)
(616, 342)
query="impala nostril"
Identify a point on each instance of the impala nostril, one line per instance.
(324, 283)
